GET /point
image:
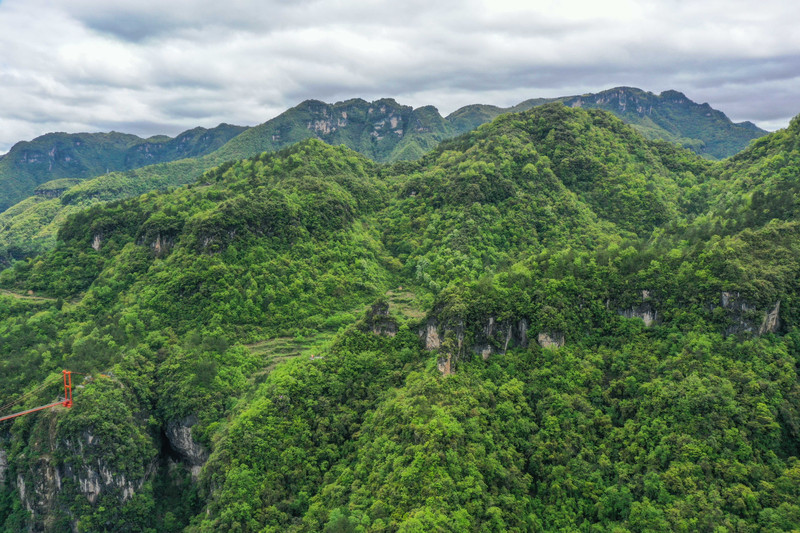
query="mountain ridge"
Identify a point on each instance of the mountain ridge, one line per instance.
(383, 130)
(58, 155)
(432, 127)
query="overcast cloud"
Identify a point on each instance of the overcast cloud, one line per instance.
(149, 67)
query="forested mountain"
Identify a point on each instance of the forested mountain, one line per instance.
(549, 323)
(85, 155)
(669, 116)
(382, 130)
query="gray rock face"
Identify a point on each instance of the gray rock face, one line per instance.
(550, 340)
(443, 364)
(3, 467)
(496, 336)
(432, 340)
(645, 310)
(745, 316)
(771, 321)
(94, 479)
(41, 483)
(39, 490)
(162, 245)
(484, 350)
(380, 321)
(493, 336)
(179, 434)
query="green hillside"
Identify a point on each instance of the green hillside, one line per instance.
(547, 324)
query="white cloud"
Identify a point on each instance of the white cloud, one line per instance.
(149, 66)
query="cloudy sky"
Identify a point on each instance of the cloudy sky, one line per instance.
(163, 66)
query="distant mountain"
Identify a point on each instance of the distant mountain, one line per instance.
(382, 130)
(669, 116)
(672, 116)
(85, 155)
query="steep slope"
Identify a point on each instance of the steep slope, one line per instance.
(381, 130)
(762, 183)
(85, 155)
(279, 235)
(640, 410)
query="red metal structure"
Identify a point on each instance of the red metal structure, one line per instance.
(66, 402)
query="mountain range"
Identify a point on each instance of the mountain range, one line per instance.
(547, 323)
(382, 130)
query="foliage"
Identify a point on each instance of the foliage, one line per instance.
(57, 156)
(206, 303)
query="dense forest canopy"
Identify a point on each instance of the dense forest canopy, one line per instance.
(550, 323)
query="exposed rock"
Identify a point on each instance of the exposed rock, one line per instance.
(522, 332)
(179, 434)
(771, 321)
(161, 245)
(746, 318)
(3, 467)
(23, 491)
(40, 497)
(443, 364)
(492, 337)
(94, 479)
(645, 311)
(449, 338)
(380, 322)
(734, 302)
(484, 350)
(488, 329)
(96, 242)
(432, 340)
(551, 340)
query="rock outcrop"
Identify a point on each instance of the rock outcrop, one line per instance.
(162, 245)
(645, 310)
(490, 336)
(3, 467)
(771, 321)
(179, 435)
(40, 482)
(745, 317)
(550, 340)
(431, 335)
(379, 320)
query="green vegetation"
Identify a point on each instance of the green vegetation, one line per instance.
(550, 323)
(84, 155)
(382, 130)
